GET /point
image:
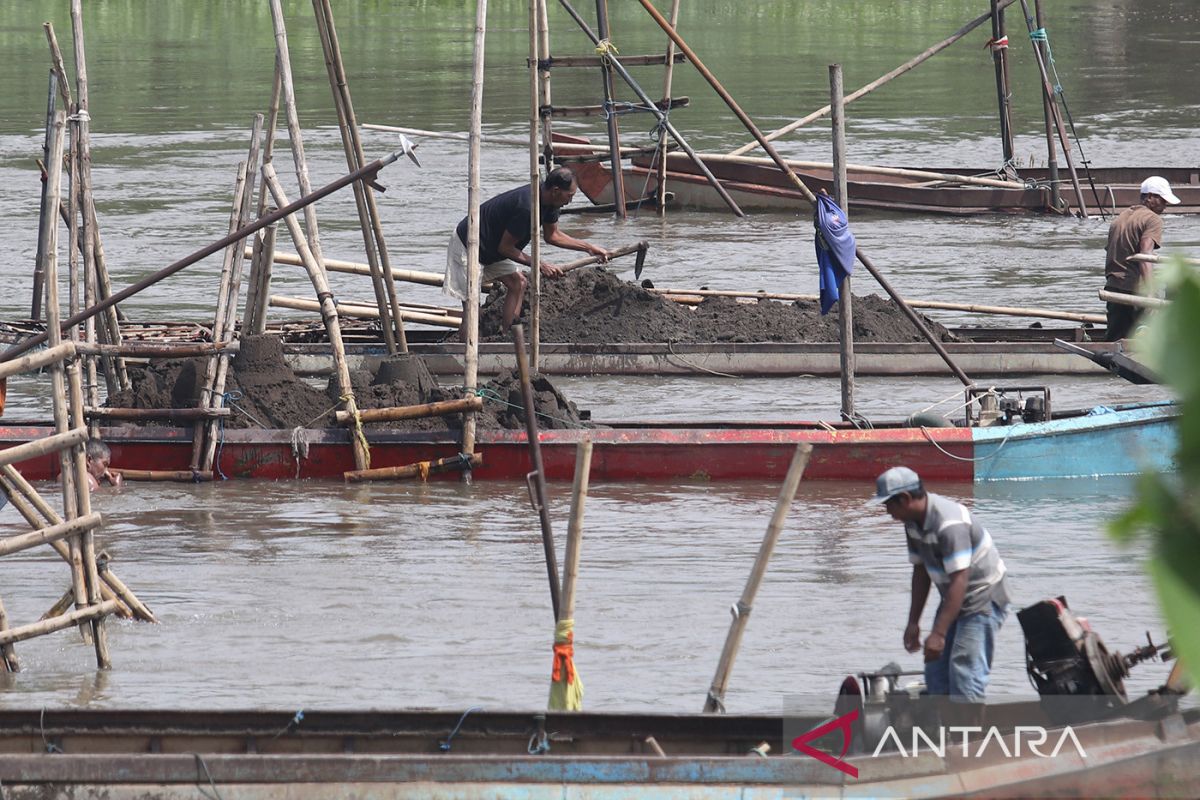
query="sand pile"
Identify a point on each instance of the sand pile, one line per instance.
(264, 392)
(593, 305)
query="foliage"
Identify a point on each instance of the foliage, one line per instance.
(1167, 507)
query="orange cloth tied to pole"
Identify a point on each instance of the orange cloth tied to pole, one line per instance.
(564, 659)
(566, 685)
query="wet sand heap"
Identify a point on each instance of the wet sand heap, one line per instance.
(263, 391)
(594, 305)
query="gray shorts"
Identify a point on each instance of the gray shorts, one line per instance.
(454, 283)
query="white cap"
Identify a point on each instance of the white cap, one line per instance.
(893, 482)
(1159, 186)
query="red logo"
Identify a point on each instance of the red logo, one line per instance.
(842, 723)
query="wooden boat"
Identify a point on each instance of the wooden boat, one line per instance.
(1105, 441)
(1146, 751)
(755, 186)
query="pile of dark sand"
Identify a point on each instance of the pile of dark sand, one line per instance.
(594, 305)
(263, 391)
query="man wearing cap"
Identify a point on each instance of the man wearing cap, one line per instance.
(950, 549)
(1136, 230)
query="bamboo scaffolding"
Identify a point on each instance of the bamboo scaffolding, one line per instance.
(358, 268)
(156, 350)
(38, 513)
(59, 608)
(422, 469)
(87, 539)
(364, 197)
(535, 194)
(26, 541)
(7, 654)
(155, 475)
(875, 84)
(543, 34)
(38, 360)
(366, 173)
(39, 276)
(470, 324)
(605, 48)
(94, 269)
(800, 185)
(264, 243)
(59, 623)
(841, 196)
(190, 414)
(440, 409)
(329, 313)
(209, 392)
(566, 147)
(1048, 121)
(715, 702)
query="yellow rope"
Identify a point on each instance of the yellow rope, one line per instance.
(423, 471)
(605, 48)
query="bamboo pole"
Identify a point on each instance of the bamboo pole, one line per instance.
(358, 268)
(364, 197)
(39, 276)
(471, 306)
(329, 313)
(37, 360)
(579, 492)
(1048, 119)
(53, 533)
(37, 512)
(1135, 300)
(190, 414)
(422, 469)
(59, 608)
(1012, 311)
(366, 173)
(159, 350)
(156, 475)
(543, 33)
(1151, 258)
(87, 539)
(396, 413)
(7, 654)
(614, 129)
(841, 196)
(799, 184)
(668, 74)
(77, 617)
(1048, 93)
(715, 702)
(880, 81)
(658, 113)
(207, 398)
(535, 194)
(264, 244)
(536, 479)
(899, 172)
(567, 147)
(95, 272)
(364, 311)
(76, 204)
(999, 45)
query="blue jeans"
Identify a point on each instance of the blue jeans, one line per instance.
(963, 669)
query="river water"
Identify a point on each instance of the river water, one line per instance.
(317, 595)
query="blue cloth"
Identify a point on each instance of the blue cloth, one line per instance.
(835, 249)
(965, 665)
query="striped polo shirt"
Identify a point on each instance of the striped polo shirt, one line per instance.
(949, 541)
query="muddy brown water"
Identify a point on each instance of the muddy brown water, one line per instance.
(300, 595)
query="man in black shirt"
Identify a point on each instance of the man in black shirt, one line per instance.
(503, 234)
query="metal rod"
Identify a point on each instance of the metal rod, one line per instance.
(1048, 114)
(1000, 62)
(535, 195)
(614, 132)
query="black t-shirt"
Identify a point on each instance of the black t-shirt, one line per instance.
(505, 212)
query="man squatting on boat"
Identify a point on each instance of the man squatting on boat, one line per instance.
(503, 234)
(1136, 230)
(950, 549)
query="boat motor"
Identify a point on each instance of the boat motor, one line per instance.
(1065, 657)
(1006, 405)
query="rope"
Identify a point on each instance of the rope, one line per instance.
(348, 399)
(292, 725)
(423, 471)
(299, 446)
(444, 745)
(200, 765)
(322, 414)
(717, 702)
(488, 394)
(693, 364)
(539, 743)
(606, 50)
(993, 454)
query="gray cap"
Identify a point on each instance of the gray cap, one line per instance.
(893, 482)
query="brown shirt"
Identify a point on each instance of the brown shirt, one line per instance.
(1125, 236)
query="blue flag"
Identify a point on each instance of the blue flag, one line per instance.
(835, 248)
